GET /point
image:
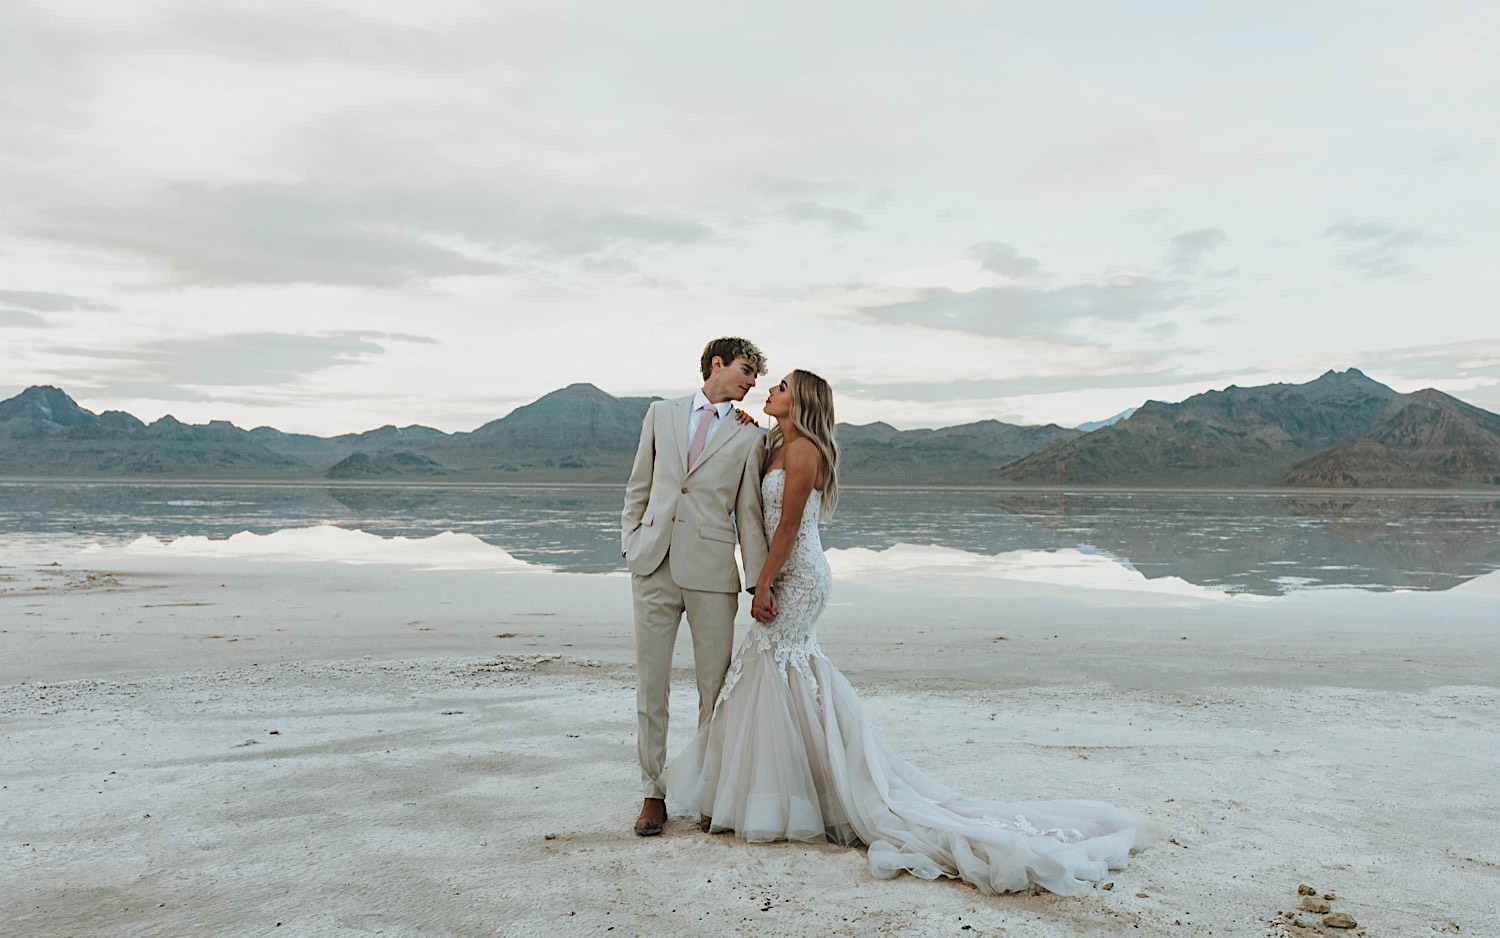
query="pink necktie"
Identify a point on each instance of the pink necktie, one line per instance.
(705, 417)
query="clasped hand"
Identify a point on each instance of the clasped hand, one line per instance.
(763, 606)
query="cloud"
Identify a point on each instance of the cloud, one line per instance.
(16, 318)
(167, 369)
(309, 34)
(1375, 249)
(962, 276)
(794, 188)
(50, 302)
(809, 200)
(1015, 309)
(263, 234)
(1383, 236)
(1189, 248)
(1005, 260)
(839, 219)
(1458, 359)
(307, 233)
(1468, 370)
(1140, 370)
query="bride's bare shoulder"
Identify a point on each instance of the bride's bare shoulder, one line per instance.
(801, 449)
(800, 457)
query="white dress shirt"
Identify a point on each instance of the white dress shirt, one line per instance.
(719, 412)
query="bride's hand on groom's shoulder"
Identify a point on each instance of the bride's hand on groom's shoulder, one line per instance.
(744, 417)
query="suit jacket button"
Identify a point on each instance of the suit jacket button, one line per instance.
(684, 491)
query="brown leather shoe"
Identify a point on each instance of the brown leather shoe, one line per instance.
(653, 817)
(705, 823)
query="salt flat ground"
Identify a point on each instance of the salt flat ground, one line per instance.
(212, 746)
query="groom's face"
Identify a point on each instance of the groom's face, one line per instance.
(730, 382)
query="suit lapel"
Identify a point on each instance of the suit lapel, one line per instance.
(680, 411)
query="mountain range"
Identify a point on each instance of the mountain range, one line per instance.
(1342, 430)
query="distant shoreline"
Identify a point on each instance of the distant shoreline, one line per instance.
(1491, 492)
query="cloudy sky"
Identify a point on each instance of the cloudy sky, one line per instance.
(333, 214)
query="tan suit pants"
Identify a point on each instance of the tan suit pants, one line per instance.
(659, 604)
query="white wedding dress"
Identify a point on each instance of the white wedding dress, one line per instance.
(789, 755)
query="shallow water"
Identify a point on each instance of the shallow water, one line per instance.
(1251, 543)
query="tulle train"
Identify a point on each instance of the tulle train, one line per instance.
(789, 756)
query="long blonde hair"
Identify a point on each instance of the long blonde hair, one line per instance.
(812, 416)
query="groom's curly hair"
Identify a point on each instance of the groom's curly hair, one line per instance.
(728, 349)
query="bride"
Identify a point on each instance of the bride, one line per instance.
(789, 755)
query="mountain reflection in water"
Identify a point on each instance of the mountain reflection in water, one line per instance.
(1260, 543)
(1268, 544)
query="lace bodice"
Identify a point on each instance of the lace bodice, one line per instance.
(801, 588)
(806, 569)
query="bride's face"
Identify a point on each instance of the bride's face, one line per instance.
(779, 399)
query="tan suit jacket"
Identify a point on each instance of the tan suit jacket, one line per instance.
(668, 508)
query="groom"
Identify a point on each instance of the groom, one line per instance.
(694, 487)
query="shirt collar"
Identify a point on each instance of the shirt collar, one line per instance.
(700, 399)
